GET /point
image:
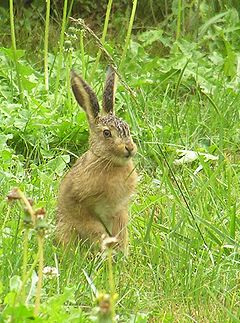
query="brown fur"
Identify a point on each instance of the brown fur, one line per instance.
(94, 195)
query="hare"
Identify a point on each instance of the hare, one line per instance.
(94, 195)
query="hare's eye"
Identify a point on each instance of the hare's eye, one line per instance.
(107, 133)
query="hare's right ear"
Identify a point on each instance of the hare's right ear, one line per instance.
(85, 96)
(109, 91)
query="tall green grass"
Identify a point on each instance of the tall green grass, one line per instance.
(184, 242)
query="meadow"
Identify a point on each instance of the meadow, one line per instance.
(178, 89)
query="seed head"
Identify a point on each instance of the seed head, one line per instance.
(13, 195)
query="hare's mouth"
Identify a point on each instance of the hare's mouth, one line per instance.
(129, 151)
(122, 156)
(129, 154)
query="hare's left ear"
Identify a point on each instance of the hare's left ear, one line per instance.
(109, 91)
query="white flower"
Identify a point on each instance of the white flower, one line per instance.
(108, 242)
(50, 271)
(188, 156)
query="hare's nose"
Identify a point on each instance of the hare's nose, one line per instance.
(129, 148)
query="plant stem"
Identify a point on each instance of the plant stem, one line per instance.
(24, 265)
(233, 222)
(111, 284)
(5, 220)
(68, 70)
(29, 273)
(197, 18)
(232, 204)
(60, 54)
(46, 44)
(40, 274)
(178, 31)
(15, 50)
(82, 53)
(127, 41)
(109, 6)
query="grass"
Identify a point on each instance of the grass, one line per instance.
(184, 242)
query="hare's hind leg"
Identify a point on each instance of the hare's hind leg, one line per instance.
(90, 230)
(119, 229)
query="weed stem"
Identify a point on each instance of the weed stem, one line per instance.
(40, 273)
(60, 57)
(25, 261)
(46, 44)
(15, 50)
(109, 6)
(127, 41)
(111, 284)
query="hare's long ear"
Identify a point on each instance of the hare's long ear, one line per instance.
(85, 96)
(109, 91)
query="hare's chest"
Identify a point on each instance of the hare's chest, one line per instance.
(108, 208)
(114, 196)
(115, 190)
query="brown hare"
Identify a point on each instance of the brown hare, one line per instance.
(94, 194)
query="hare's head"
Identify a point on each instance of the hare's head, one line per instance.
(110, 137)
